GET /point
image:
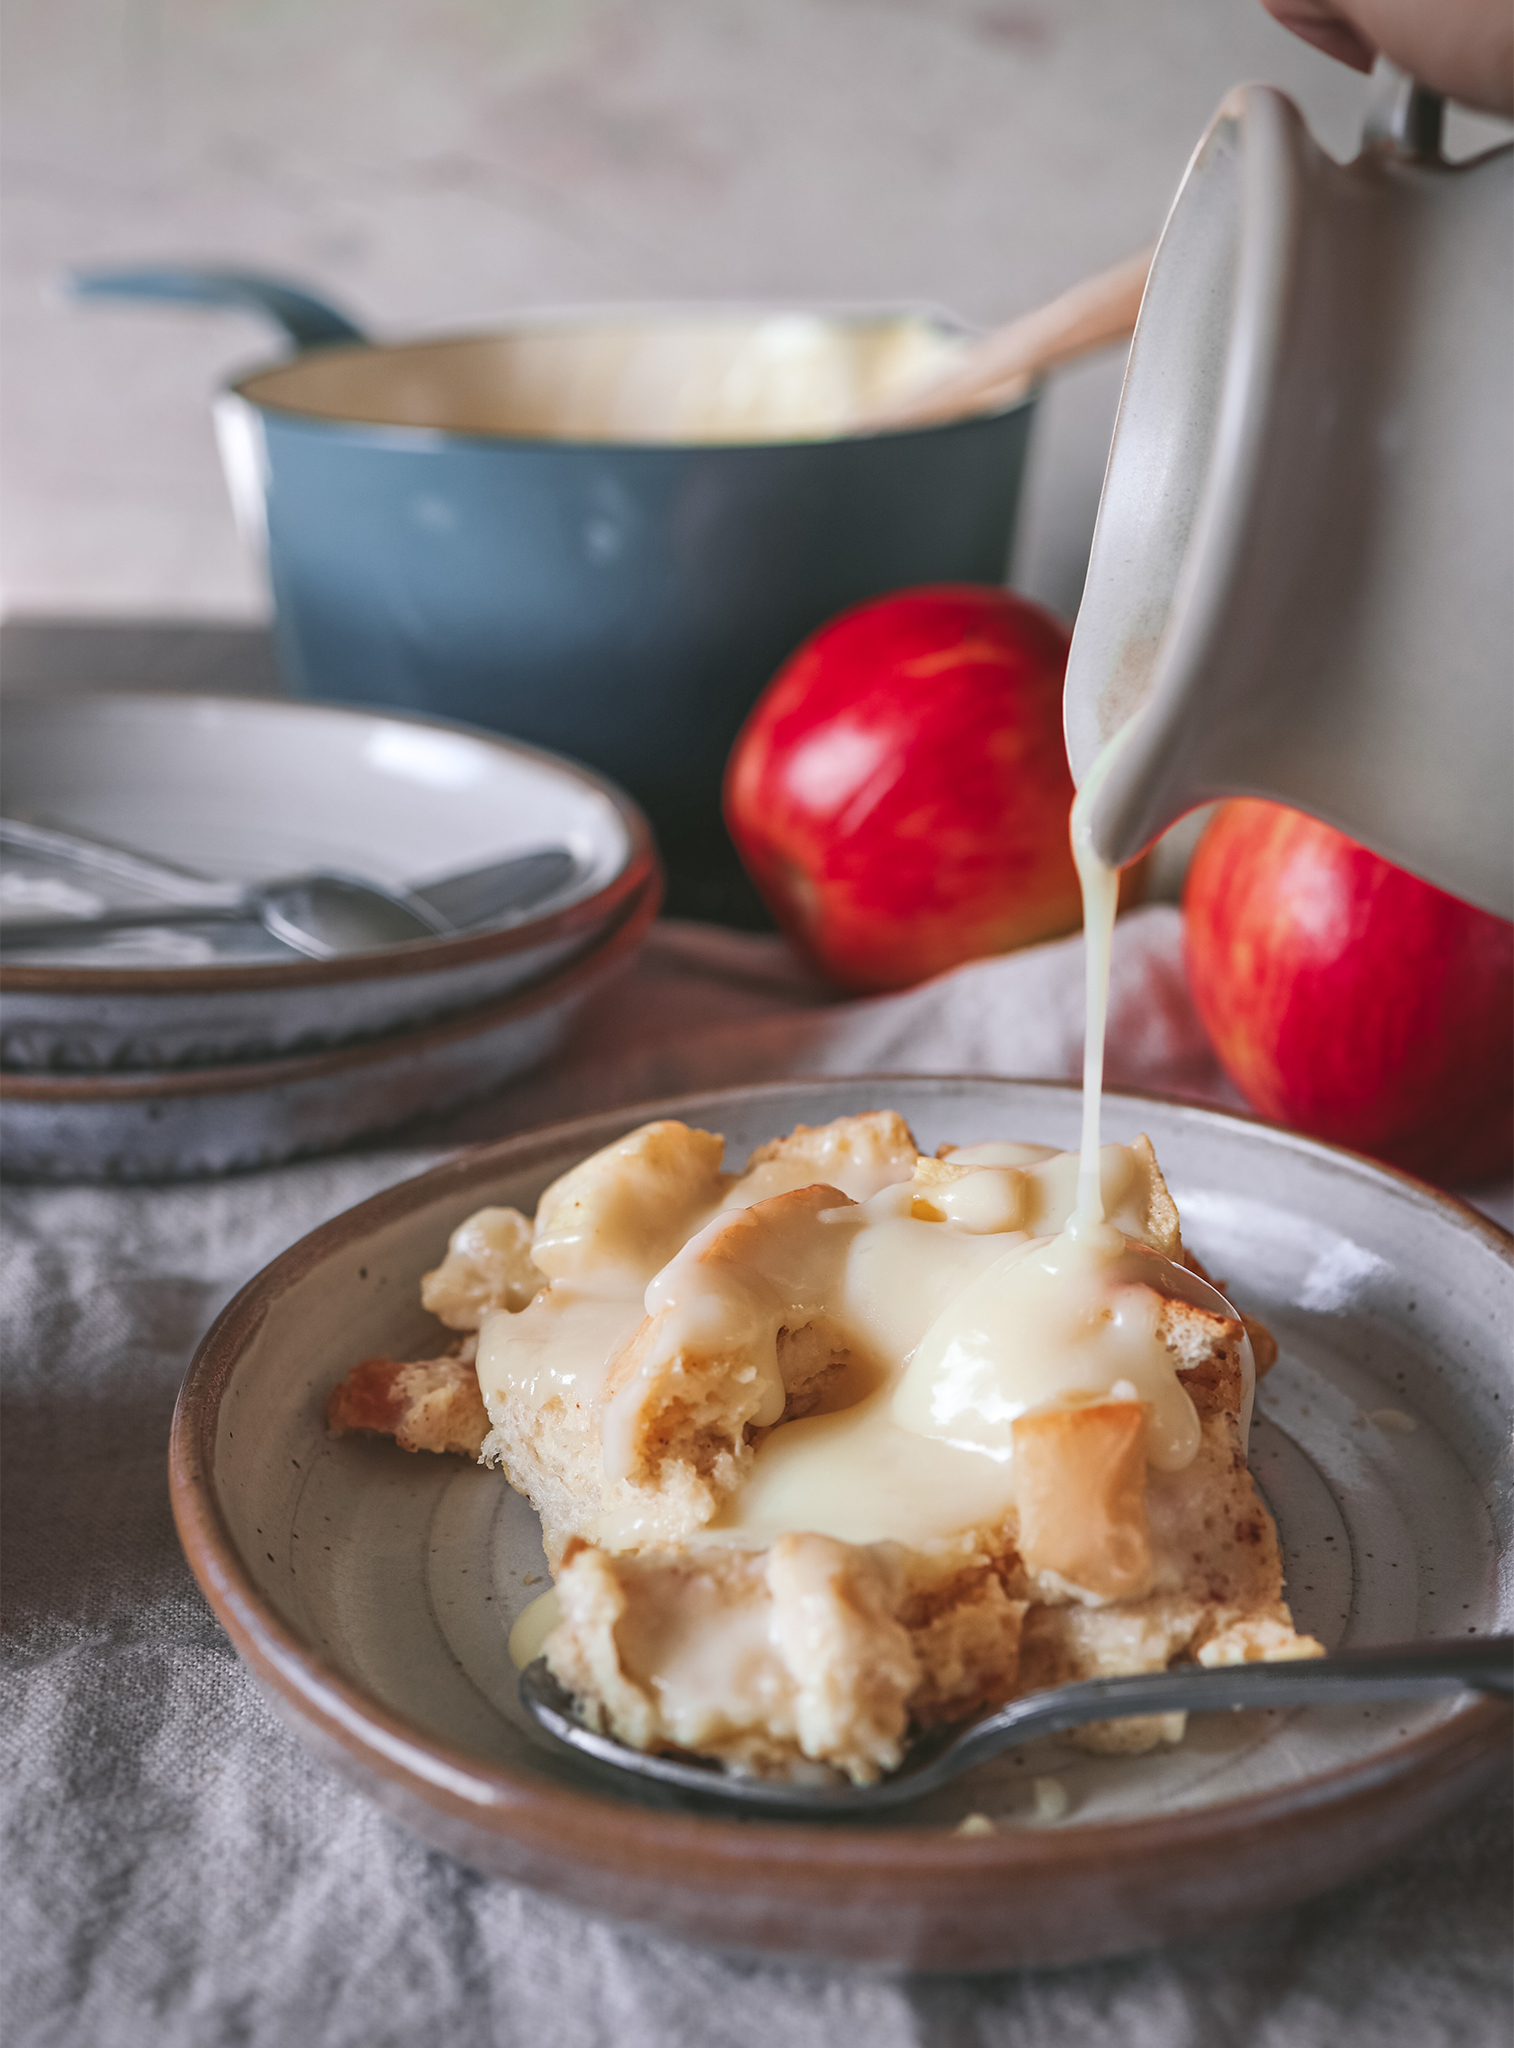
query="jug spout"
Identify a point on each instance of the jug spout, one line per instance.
(1300, 576)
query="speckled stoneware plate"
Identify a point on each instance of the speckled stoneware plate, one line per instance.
(246, 789)
(372, 1592)
(206, 1120)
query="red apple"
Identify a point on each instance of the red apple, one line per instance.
(1350, 1000)
(900, 792)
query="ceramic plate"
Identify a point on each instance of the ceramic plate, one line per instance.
(373, 1592)
(246, 789)
(206, 1120)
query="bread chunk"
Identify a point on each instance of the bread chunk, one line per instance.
(860, 1154)
(762, 1659)
(694, 1382)
(488, 1266)
(1163, 1231)
(630, 1206)
(428, 1405)
(667, 1433)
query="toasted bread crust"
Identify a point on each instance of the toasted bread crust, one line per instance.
(427, 1405)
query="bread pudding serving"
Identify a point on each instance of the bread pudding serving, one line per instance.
(855, 1442)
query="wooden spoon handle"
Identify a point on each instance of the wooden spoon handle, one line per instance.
(1100, 310)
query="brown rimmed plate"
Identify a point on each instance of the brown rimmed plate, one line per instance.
(371, 1593)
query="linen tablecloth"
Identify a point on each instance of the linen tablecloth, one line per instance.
(180, 1872)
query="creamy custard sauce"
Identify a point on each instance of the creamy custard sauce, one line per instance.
(564, 1341)
(1101, 894)
(561, 1344)
(695, 378)
(1051, 1321)
(966, 1330)
(533, 1625)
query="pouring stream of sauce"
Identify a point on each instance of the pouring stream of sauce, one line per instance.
(1100, 885)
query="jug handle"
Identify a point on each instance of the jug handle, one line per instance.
(1404, 118)
(308, 321)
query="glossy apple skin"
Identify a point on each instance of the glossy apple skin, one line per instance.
(900, 792)
(1349, 999)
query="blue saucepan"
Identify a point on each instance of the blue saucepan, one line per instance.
(603, 534)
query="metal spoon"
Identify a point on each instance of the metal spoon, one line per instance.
(320, 914)
(323, 913)
(1391, 1672)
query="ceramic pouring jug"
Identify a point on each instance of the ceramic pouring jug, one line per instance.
(1302, 569)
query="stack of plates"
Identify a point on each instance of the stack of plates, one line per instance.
(159, 1053)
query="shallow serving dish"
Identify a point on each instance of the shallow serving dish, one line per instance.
(206, 1120)
(247, 789)
(371, 1592)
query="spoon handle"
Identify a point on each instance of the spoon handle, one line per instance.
(19, 934)
(108, 857)
(483, 895)
(1393, 1671)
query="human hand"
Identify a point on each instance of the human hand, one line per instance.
(1462, 48)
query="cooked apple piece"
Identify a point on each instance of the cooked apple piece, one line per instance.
(1080, 1479)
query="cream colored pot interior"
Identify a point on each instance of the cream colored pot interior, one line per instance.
(758, 377)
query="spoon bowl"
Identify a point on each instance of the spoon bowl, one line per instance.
(326, 914)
